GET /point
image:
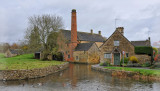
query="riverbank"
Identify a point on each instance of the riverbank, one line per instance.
(130, 73)
(25, 61)
(25, 67)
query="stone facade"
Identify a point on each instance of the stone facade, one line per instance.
(112, 49)
(108, 47)
(68, 40)
(91, 56)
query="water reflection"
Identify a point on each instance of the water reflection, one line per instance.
(79, 77)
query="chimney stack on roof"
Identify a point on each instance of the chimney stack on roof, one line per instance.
(121, 30)
(91, 31)
(99, 32)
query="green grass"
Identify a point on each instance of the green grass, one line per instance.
(146, 72)
(25, 61)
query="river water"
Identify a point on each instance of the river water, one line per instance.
(79, 77)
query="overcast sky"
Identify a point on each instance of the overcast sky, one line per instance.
(138, 17)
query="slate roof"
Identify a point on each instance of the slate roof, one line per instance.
(13, 51)
(16, 51)
(141, 43)
(83, 46)
(83, 36)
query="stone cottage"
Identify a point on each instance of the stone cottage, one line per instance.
(113, 47)
(78, 46)
(13, 52)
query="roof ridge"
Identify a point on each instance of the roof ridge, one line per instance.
(82, 32)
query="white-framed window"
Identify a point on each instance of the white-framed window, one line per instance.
(107, 55)
(116, 43)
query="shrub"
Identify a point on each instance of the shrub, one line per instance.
(146, 64)
(133, 59)
(125, 61)
(105, 64)
(155, 51)
(156, 58)
(144, 50)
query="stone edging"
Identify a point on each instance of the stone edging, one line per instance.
(33, 73)
(125, 74)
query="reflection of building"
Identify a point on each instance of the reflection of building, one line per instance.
(79, 46)
(113, 47)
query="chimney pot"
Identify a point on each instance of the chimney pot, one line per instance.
(91, 31)
(99, 32)
(73, 10)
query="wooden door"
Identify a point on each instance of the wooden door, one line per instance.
(117, 59)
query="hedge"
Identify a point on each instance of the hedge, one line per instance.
(144, 50)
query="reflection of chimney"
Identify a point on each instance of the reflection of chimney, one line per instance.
(121, 30)
(99, 32)
(91, 31)
(74, 28)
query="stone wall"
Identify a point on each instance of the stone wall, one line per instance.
(93, 54)
(33, 73)
(142, 58)
(90, 57)
(82, 56)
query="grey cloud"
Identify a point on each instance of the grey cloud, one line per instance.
(136, 16)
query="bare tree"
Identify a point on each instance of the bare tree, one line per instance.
(45, 29)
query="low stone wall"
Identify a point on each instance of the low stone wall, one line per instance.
(142, 58)
(33, 73)
(125, 74)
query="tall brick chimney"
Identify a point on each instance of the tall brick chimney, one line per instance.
(120, 29)
(74, 28)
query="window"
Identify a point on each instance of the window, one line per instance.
(127, 55)
(77, 58)
(116, 43)
(68, 56)
(107, 55)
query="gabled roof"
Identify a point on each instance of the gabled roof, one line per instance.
(83, 46)
(113, 34)
(83, 36)
(141, 43)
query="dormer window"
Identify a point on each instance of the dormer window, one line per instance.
(116, 43)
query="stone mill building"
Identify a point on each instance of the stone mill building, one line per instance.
(83, 47)
(79, 46)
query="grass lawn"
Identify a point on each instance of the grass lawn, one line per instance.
(146, 72)
(25, 61)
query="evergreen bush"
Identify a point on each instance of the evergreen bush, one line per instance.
(144, 50)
